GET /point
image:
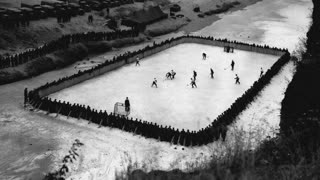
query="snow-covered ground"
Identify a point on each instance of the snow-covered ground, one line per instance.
(280, 23)
(108, 150)
(33, 143)
(174, 103)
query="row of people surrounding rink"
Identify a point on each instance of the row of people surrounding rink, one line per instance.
(65, 40)
(144, 128)
(63, 43)
(218, 128)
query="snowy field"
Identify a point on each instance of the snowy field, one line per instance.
(279, 23)
(174, 103)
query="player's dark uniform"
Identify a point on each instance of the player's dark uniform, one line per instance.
(154, 83)
(137, 62)
(237, 79)
(173, 74)
(193, 83)
(194, 75)
(232, 65)
(169, 75)
(261, 72)
(211, 73)
(204, 56)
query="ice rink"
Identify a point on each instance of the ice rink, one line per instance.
(174, 103)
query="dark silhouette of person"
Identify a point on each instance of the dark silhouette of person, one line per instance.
(154, 83)
(25, 96)
(261, 72)
(137, 61)
(194, 75)
(127, 104)
(211, 73)
(90, 18)
(169, 75)
(193, 83)
(204, 56)
(237, 79)
(173, 74)
(232, 65)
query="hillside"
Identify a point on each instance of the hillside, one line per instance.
(294, 153)
(300, 114)
(15, 40)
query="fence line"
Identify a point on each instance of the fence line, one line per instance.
(218, 128)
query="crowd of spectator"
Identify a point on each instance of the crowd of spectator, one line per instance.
(214, 131)
(63, 43)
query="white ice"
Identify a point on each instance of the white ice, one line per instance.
(174, 103)
(109, 150)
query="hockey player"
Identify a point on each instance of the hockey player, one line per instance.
(154, 83)
(237, 79)
(261, 72)
(204, 56)
(127, 104)
(194, 75)
(169, 75)
(211, 73)
(193, 83)
(173, 74)
(232, 65)
(137, 61)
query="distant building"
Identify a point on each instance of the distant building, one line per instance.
(140, 19)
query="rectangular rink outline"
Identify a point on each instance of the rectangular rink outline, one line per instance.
(171, 135)
(174, 103)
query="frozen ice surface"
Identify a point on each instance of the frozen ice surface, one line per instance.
(109, 150)
(174, 103)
